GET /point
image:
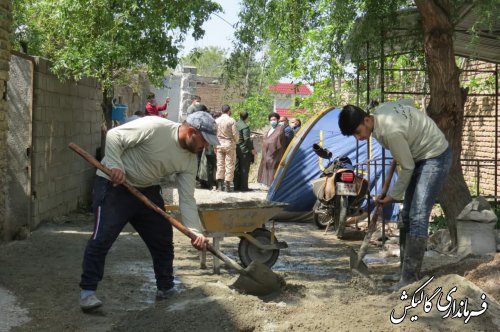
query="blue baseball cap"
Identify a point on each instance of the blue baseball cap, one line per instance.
(205, 123)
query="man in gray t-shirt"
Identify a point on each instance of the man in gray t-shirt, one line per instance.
(143, 151)
(424, 157)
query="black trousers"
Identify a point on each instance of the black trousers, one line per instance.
(113, 207)
(241, 170)
(211, 166)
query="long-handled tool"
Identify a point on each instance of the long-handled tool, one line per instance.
(256, 279)
(356, 260)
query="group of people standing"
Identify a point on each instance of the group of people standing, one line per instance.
(226, 167)
(236, 153)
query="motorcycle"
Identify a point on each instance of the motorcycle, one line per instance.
(339, 192)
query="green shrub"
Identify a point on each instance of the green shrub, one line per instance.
(437, 222)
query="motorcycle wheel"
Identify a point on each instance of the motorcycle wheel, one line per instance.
(249, 252)
(321, 215)
(340, 216)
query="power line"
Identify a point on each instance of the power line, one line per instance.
(223, 19)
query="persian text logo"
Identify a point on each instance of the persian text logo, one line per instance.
(450, 308)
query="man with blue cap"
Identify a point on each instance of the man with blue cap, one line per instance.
(143, 151)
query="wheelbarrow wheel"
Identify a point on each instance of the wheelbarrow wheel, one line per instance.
(249, 252)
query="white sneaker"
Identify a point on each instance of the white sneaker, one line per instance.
(90, 302)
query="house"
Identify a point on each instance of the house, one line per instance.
(287, 96)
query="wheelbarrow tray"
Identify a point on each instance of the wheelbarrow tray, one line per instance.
(237, 217)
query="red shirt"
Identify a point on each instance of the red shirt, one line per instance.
(153, 109)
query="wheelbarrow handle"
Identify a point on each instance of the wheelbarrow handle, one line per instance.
(183, 229)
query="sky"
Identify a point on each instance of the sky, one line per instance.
(218, 32)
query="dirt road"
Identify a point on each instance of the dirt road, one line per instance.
(39, 283)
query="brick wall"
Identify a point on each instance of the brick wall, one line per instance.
(63, 112)
(479, 135)
(5, 29)
(214, 94)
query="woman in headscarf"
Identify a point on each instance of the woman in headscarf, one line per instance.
(273, 147)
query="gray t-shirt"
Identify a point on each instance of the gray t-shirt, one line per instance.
(410, 135)
(148, 149)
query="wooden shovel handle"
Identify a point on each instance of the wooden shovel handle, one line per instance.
(186, 231)
(373, 222)
(388, 178)
(385, 189)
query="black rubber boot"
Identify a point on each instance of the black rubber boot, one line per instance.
(412, 263)
(228, 187)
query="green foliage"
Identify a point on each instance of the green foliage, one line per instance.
(258, 107)
(210, 61)
(438, 222)
(313, 41)
(97, 38)
(487, 10)
(481, 84)
(323, 96)
(108, 39)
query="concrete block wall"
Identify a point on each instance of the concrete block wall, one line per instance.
(478, 141)
(5, 30)
(63, 112)
(171, 88)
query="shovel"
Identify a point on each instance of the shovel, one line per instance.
(356, 260)
(257, 279)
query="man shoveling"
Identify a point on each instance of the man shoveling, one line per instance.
(423, 154)
(143, 151)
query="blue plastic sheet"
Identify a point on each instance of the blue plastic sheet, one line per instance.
(300, 165)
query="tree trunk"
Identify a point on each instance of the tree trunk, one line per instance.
(447, 99)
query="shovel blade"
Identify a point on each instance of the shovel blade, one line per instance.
(258, 280)
(356, 263)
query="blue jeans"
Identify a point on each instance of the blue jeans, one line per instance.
(426, 182)
(115, 206)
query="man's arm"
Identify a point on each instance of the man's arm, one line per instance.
(245, 132)
(189, 210)
(236, 133)
(400, 151)
(164, 106)
(186, 183)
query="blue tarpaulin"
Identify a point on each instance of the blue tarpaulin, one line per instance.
(300, 165)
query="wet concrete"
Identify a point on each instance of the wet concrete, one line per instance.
(11, 313)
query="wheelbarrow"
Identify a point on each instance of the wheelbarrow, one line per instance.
(246, 220)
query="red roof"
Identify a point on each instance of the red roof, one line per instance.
(290, 89)
(288, 112)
